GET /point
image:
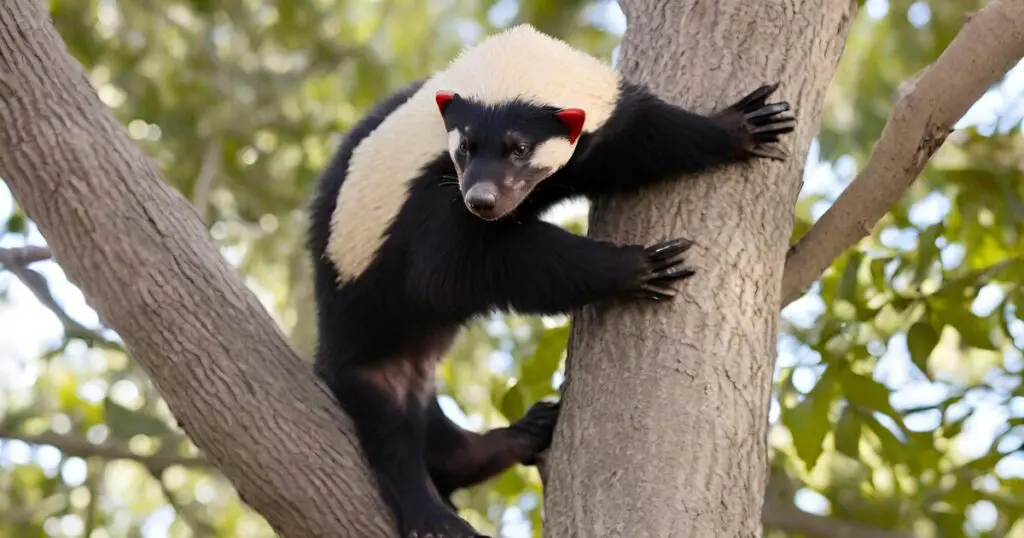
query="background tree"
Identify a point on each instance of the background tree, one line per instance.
(897, 402)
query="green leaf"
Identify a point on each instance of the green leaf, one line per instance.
(542, 365)
(847, 434)
(927, 251)
(509, 483)
(954, 428)
(513, 405)
(16, 223)
(808, 421)
(865, 392)
(949, 522)
(125, 423)
(848, 283)
(878, 273)
(892, 447)
(921, 340)
(974, 331)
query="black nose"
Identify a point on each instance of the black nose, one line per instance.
(482, 197)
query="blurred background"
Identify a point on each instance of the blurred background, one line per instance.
(898, 398)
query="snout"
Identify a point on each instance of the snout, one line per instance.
(490, 200)
(493, 190)
(482, 198)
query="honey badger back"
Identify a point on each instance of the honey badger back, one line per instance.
(428, 216)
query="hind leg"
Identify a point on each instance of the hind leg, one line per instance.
(392, 438)
(458, 458)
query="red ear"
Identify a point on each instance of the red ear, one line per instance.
(443, 99)
(573, 119)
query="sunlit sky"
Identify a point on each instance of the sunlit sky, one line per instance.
(27, 329)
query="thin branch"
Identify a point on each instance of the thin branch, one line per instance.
(791, 519)
(989, 44)
(41, 510)
(94, 484)
(23, 256)
(208, 170)
(75, 446)
(15, 260)
(186, 511)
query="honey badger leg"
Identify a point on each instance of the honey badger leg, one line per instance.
(653, 141)
(536, 267)
(391, 423)
(458, 458)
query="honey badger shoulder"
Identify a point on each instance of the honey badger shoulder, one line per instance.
(428, 216)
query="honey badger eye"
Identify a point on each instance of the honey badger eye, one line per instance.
(521, 150)
(463, 147)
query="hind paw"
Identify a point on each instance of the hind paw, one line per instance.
(440, 524)
(536, 428)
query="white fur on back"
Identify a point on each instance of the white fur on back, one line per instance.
(520, 62)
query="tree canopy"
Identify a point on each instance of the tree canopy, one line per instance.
(898, 402)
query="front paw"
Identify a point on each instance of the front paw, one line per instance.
(535, 430)
(759, 124)
(663, 265)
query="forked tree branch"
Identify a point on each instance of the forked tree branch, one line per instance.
(142, 256)
(989, 44)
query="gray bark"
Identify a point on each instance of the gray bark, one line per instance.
(141, 255)
(663, 431)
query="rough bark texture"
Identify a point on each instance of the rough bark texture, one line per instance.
(988, 46)
(663, 430)
(141, 255)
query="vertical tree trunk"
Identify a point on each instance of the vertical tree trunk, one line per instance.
(663, 431)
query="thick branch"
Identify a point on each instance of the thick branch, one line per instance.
(988, 45)
(141, 255)
(75, 446)
(795, 521)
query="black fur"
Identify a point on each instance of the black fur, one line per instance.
(440, 265)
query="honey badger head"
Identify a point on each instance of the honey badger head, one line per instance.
(503, 151)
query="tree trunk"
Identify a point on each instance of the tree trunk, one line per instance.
(664, 421)
(141, 255)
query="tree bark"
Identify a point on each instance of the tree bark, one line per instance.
(664, 421)
(141, 255)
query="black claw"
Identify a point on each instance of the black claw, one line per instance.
(770, 152)
(673, 273)
(664, 265)
(768, 120)
(766, 111)
(668, 249)
(780, 127)
(757, 96)
(761, 123)
(656, 293)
